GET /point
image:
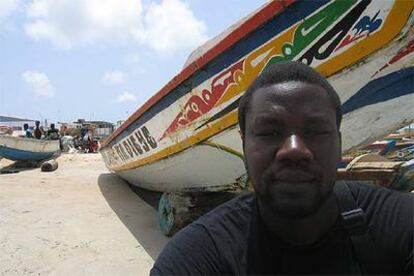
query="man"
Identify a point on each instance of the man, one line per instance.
(295, 223)
(52, 133)
(38, 132)
(27, 132)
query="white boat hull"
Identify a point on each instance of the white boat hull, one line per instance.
(186, 137)
(27, 149)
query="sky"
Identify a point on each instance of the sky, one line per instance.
(64, 60)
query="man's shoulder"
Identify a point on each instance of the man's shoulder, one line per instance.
(373, 199)
(389, 215)
(383, 205)
(236, 212)
(227, 226)
(213, 244)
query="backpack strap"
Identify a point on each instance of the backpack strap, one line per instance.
(354, 221)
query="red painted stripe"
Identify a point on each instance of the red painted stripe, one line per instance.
(255, 21)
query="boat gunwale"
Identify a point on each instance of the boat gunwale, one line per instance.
(263, 15)
(34, 140)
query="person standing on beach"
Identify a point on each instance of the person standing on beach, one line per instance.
(52, 133)
(299, 219)
(28, 133)
(37, 132)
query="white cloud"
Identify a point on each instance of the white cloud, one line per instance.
(7, 7)
(126, 97)
(39, 82)
(171, 26)
(70, 23)
(165, 27)
(114, 77)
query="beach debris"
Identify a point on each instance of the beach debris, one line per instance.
(67, 143)
(380, 171)
(6, 171)
(49, 166)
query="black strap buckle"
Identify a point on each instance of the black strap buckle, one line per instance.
(354, 220)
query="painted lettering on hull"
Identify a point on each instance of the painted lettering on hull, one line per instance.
(136, 144)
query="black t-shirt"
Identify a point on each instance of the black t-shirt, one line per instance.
(232, 239)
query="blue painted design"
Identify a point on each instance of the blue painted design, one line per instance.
(270, 29)
(391, 86)
(21, 155)
(368, 24)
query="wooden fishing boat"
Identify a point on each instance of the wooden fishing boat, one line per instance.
(186, 138)
(27, 149)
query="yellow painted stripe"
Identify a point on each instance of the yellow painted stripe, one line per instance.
(252, 68)
(224, 148)
(224, 123)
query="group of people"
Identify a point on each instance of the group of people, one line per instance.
(38, 133)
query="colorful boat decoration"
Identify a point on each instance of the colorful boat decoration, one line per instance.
(27, 149)
(185, 138)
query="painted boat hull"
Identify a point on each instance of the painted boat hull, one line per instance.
(26, 149)
(186, 136)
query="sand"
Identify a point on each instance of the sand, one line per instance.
(77, 220)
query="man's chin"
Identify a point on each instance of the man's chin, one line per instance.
(293, 206)
(294, 210)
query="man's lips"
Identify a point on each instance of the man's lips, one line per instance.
(294, 185)
(294, 177)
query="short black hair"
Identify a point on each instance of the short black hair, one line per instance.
(286, 71)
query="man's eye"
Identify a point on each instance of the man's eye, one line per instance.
(268, 133)
(314, 132)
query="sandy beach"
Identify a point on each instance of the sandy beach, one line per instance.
(77, 220)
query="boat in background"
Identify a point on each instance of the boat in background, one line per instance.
(27, 149)
(186, 138)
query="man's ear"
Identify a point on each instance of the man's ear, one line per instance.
(242, 138)
(340, 146)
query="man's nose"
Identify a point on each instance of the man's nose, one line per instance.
(294, 149)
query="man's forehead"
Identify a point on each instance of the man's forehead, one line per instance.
(292, 93)
(291, 88)
(294, 98)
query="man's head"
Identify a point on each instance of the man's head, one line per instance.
(52, 126)
(289, 120)
(37, 123)
(25, 126)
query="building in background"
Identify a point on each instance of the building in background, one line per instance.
(100, 129)
(16, 124)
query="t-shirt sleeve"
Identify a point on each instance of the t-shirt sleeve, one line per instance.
(190, 252)
(409, 264)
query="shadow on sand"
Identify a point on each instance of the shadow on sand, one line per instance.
(135, 212)
(20, 166)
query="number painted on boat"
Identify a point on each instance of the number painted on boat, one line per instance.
(136, 144)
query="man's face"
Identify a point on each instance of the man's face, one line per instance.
(292, 145)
